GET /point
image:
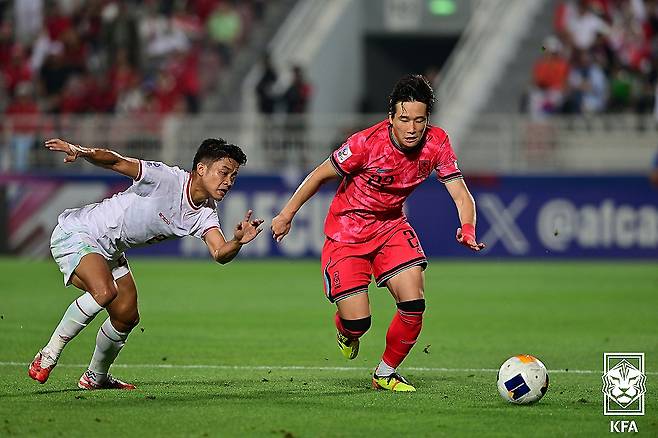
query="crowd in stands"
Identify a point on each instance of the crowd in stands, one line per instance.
(603, 57)
(113, 56)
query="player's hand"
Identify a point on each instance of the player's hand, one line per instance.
(280, 226)
(248, 229)
(466, 237)
(71, 151)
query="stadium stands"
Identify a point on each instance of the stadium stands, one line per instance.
(602, 58)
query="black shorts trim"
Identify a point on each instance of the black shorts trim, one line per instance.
(382, 279)
(348, 293)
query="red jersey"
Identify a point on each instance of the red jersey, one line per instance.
(378, 176)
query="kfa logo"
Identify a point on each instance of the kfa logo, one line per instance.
(502, 221)
(623, 426)
(624, 384)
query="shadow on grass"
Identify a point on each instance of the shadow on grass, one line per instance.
(40, 392)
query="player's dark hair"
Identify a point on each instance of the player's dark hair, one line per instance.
(213, 149)
(411, 88)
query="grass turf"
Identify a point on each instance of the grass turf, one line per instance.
(249, 349)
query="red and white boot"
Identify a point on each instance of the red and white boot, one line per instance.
(35, 369)
(89, 380)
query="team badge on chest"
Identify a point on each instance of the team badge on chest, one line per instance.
(423, 168)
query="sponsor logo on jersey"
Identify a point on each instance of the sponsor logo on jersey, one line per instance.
(384, 170)
(153, 164)
(166, 221)
(343, 153)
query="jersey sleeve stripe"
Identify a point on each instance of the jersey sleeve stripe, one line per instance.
(208, 229)
(139, 173)
(451, 177)
(455, 178)
(334, 163)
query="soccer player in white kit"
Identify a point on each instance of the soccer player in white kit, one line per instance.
(88, 243)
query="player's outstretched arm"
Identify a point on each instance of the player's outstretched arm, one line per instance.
(466, 209)
(99, 157)
(283, 221)
(224, 251)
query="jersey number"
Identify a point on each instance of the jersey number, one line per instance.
(412, 239)
(156, 239)
(378, 180)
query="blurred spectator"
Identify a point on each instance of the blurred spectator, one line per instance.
(225, 29)
(621, 88)
(184, 66)
(298, 95)
(54, 74)
(265, 87)
(583, 26)
(165, 40)
(17, 70)
(620, 40)
(588, 86)
(123, 74)
(296, 100)
(57, 23)
(120, 31)
(549, 77)
(73, 99)
(126, 42)
(104, 56)
(28, 18)
(22, 114)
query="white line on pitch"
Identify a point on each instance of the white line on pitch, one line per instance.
(302, 368)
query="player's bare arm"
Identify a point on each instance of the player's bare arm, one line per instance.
(105, 158)
(466, 210)
(282, 222)
(224, 251)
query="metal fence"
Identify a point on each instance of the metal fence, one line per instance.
(503, 143)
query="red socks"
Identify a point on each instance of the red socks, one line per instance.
(403, 331)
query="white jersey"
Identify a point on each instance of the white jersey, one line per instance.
(156, 207)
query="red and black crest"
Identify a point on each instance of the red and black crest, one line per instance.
(423, 168)
(336, 280)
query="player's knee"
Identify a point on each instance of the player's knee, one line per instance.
(126, 317)
(413, 306)
(132, 322)
(126, 323)
(357, 327)
(105, 294)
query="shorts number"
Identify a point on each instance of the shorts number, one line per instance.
(378, 180)
(411, 238)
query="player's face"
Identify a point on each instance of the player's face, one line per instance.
(218, 178)
(409, 123)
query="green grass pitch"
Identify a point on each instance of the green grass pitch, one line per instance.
(248, 349)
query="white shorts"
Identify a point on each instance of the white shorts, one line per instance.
(68, 248)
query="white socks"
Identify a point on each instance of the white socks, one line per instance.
(109, 342)
(384, 370)
(77, 316)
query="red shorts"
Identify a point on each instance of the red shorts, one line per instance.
(347, 267)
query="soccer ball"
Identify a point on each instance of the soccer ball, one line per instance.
(522, 379)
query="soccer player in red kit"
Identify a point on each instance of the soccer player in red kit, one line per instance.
(366, 230)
